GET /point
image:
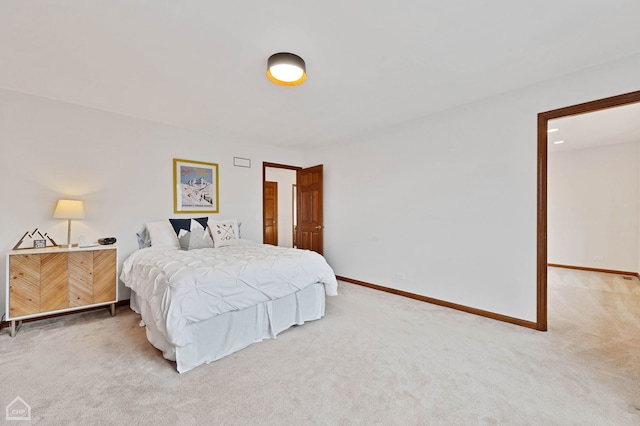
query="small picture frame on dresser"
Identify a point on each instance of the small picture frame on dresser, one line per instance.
(39, 243)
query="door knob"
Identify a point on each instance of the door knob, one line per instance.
(319, 227)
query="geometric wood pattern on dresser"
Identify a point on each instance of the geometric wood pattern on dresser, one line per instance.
(80, 278)
(104, 269)
(57, 280)
(53, 281)
(24, 285)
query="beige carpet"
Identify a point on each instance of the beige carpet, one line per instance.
(375, 358)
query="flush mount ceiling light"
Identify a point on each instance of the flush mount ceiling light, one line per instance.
(286, 69)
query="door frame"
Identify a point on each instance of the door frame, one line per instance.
(264, 179)
(543, 119)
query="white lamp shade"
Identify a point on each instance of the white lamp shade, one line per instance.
(69, 209)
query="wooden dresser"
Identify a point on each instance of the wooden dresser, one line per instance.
(55, 280)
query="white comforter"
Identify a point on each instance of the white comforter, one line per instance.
(191, 286)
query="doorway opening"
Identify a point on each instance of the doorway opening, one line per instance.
(305, 230)
(543, 119)
(279, 205)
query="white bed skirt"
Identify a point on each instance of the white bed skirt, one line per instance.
(227, 333)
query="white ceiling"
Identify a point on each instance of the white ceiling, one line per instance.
(200, 64)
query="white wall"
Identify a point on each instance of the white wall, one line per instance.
(286, 179)
(450, 200)
(121, 167)
(593, 207)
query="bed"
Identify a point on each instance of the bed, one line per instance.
(202, 304)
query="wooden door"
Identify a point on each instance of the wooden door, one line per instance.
(310, 211)
(270, 213)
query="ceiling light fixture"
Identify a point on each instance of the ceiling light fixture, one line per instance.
(286, 69)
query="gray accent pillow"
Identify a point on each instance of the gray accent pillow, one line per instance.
(197, 238)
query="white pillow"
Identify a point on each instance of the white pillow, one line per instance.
(223, 232)
(162, 234)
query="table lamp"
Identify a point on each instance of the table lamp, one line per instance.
(69, 209)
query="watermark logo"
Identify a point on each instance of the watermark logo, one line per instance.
(18, 409)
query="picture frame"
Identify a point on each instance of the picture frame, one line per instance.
(195, 186)
(39, 243)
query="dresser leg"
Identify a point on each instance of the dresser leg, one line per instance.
(112, 309)
(14, 329)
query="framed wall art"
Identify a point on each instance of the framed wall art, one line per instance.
(195, 187)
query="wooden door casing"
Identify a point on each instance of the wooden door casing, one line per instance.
(310, 209)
